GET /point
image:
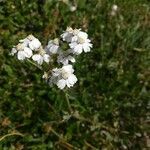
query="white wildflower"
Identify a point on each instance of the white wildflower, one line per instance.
(63, 77)
(38, 58)
(25, 42)
(28, 52)
(53, 46)
(21, 55)
(41, 57)
(25, 47)
(68, 34)
(22, 51)
(25, 53)
(13, 51)
(31, 42)
(114, 7)
(35, 44)
(77, 40)
(73, 8)
(80, 43)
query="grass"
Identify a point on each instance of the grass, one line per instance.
(108, 107)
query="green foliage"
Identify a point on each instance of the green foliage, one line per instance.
(109, 104)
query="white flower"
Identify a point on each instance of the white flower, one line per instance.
(65, 57)
(46, 58)
(73, 8)
(80, 43)
(40, 58)
(35, 44)
(21, 55)
(68, 34)
(25, 47)
(63, 77)
(31, 42)
(53, 46)
(25, 53)
(28, 52)
(13, 51)
(25, 42)
(114, 7)
(22, 51)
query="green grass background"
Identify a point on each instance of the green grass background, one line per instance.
(109, 102)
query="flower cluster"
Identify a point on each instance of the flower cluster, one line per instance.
(30, 47)
(63, 51)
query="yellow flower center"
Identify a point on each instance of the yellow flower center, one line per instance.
(81, 40)
(65, 74)
(20, 47)
(41, 51)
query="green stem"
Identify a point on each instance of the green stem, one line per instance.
(34, 64)
(11, 134)
(63, 141)
(68, 103)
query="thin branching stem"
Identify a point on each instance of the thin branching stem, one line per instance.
(34, 64)
(68, 103)
(62, 141)
(11, 134)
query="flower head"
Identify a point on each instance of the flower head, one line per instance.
(114, 7)
(13, 51)
(35, 44)
(80, 43)
(53, 46)
(68, 34)
(25, 53)
(63, 77)
(41, 57)
(22, 51)
(25, 47)
(31, 42)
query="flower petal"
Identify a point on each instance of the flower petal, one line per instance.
(34, 44)
(46, 58)
(61, 84)
(38, 58)
(28, 52)
(21, 55)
